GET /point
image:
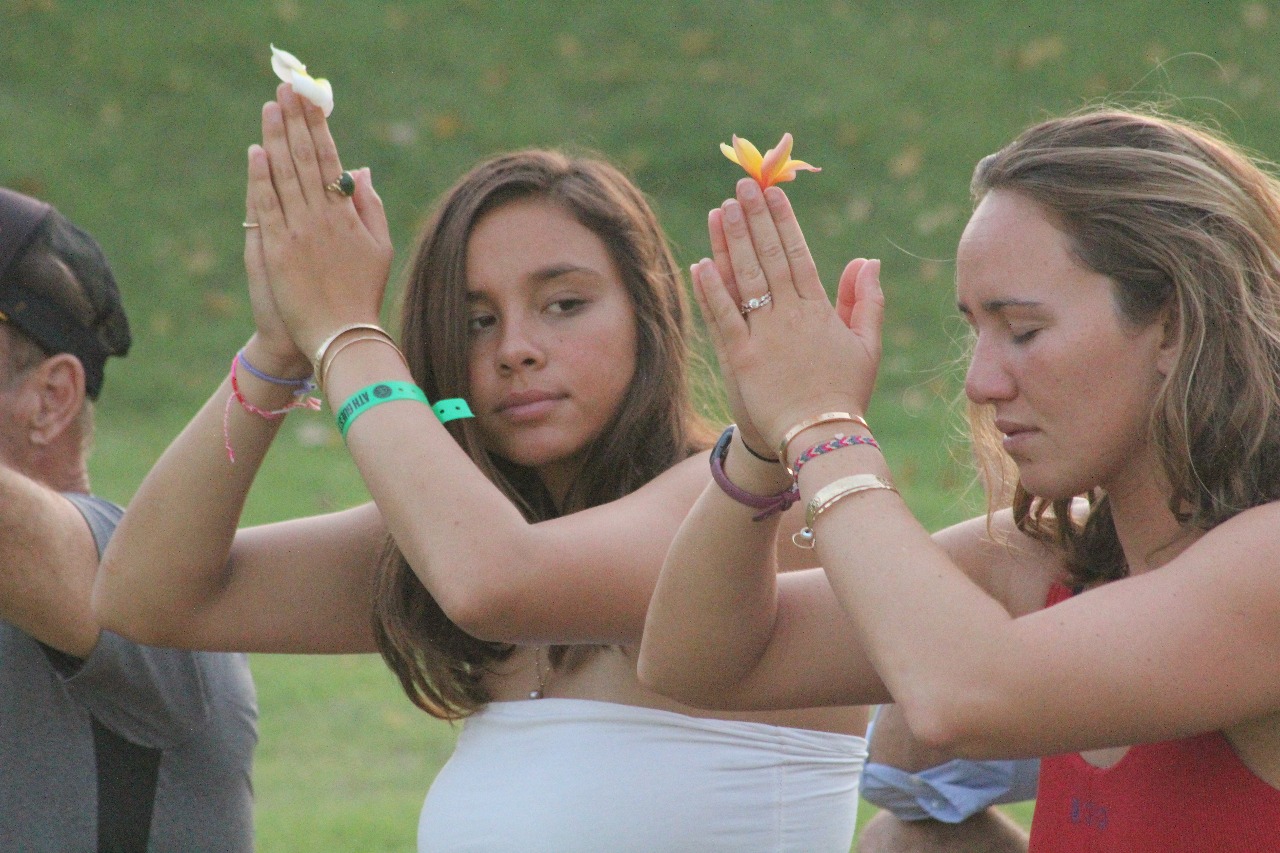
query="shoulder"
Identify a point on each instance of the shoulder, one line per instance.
(1009, 565)
(1247, 541)
(1262, 518)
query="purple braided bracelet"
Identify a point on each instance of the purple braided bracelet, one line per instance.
(767, 504)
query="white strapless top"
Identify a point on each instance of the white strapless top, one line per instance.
(576, 775)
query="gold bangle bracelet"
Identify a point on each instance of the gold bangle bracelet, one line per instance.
(332, 356)
(816, 420)
(830, 494)
(317, 360)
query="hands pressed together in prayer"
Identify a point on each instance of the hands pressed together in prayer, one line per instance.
(320, 256)
(790, 356)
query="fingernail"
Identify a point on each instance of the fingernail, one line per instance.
(732, 211)
(748, 189)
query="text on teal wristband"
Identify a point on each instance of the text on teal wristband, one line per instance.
(375, 395)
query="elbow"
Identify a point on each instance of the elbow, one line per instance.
(654, 676)
(672, 680)
(120, 613)
(934, 728)
(110, 618)
(486, 613)
(958, 725)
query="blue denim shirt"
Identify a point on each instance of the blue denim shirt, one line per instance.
(949, 792)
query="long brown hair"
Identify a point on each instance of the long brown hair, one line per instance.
(1188, 229)
(441, 667)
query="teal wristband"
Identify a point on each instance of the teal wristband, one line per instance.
(452, 409)
(375, 395)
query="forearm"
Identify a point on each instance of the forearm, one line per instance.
(939, 656)
(712, 615)
(466, 541)
(170, 555)
(918, 783)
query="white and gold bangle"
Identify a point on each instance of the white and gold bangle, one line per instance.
(828, 495)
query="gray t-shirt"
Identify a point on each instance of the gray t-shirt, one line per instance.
(132, 749)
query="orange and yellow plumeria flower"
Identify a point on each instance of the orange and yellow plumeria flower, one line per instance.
(775, 167)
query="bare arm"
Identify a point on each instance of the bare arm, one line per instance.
(1008, 566)
(177, 572)
(988, 831)
(47, 563)
(1135, 660)
(585, 577)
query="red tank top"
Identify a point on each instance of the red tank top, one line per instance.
(1192, 794)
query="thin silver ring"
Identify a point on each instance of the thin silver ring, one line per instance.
(250, 225)
(754, 303)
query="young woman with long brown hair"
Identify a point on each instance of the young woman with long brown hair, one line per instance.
(505, 564)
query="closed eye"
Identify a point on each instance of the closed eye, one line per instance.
(566, 305)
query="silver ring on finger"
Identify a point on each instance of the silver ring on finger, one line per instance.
(754, 303)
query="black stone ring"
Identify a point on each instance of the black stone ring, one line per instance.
(344, 184)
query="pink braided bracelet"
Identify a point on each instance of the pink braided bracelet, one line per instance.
(833, 444)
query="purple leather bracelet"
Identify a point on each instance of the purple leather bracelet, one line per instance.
(767, 504)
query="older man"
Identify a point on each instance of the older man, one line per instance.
(105, 745)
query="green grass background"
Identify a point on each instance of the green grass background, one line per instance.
(133, 117)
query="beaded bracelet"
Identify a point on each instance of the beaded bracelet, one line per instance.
(835, 443)
(828, 495)
(767, 504)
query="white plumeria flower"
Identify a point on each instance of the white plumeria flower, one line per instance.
(315, 89)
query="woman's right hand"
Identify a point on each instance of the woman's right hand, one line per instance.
(747, 432)
(273, 349)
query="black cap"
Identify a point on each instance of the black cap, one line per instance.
(80, 313)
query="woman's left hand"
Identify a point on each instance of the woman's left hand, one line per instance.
(794, 356)
(327, 256)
